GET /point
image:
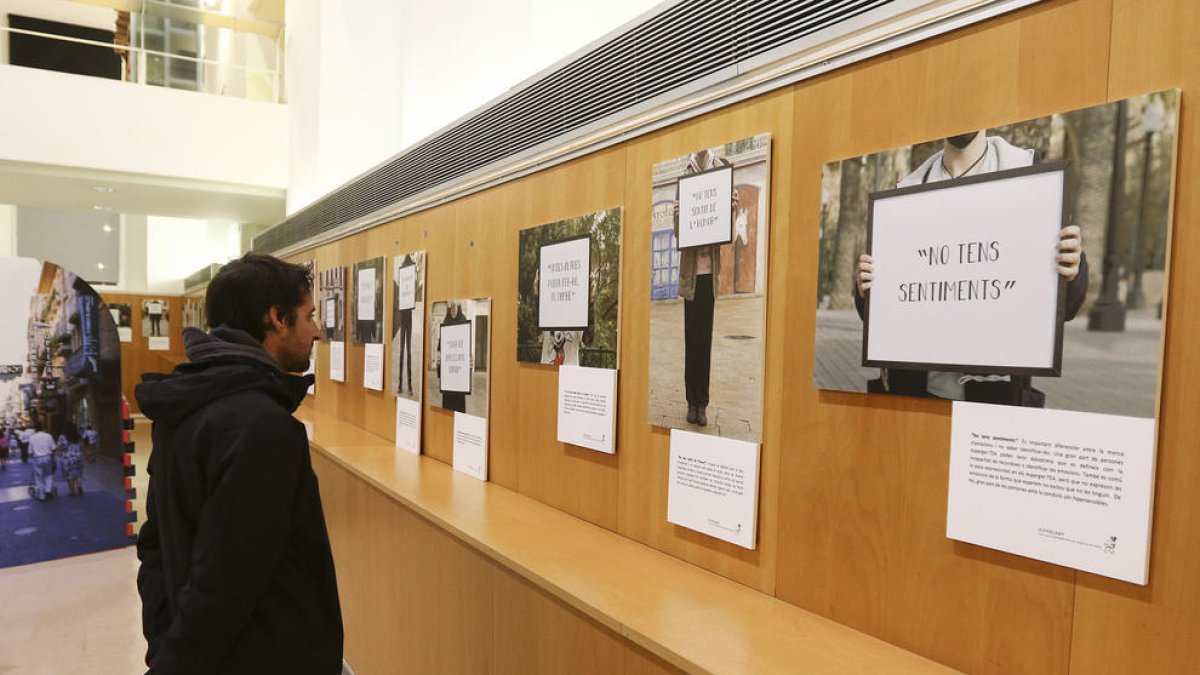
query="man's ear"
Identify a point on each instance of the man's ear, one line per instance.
(274, 320)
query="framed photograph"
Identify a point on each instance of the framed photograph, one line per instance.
(1109, 309)
(569, 291)
(459, 355)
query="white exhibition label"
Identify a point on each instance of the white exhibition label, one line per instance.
(408, 425)
(455, 369)
(160, 344)
(406, 288)
(966, 275)
(471, 445)
(330, 313)
(714, 486)
(312, 370)
(563, 274)
(587, 407)
(706, 208)
(1069, 488)
(366, 294)
(337, 361)
(125, 333)
(373, 366)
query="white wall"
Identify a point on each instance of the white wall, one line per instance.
(90, 122)
(177, 247)
(367, 78)
(460, 54)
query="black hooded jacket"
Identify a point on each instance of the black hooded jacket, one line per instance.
(236, 570)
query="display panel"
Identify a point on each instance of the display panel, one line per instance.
(708, 303)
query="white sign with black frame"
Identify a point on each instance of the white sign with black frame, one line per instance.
(706, 208)
(966, 274)
(454, 368)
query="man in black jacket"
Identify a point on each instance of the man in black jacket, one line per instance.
(236, 570)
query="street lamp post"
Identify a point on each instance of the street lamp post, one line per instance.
(1108, 312)
(1152, 120)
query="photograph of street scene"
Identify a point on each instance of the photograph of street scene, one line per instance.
(62, 476)
(1112, 256)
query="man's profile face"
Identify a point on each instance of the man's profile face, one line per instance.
(296, 340)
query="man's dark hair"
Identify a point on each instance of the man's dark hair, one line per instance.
(244, 289)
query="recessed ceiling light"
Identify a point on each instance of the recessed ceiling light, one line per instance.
(104, 189)
(100, 266)
(102, 208)
(107, 228)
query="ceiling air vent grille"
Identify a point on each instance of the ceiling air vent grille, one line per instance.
(679, 46)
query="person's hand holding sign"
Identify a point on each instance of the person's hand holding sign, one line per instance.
(865, 274)
(1070, 250)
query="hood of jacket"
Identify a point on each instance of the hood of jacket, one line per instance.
(223, 362)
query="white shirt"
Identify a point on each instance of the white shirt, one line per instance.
(41, 444)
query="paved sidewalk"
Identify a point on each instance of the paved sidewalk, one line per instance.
(736, 382)
(33, 531)
(1113, 373)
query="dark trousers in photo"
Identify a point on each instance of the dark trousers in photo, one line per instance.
(405, 359)
(697, 340)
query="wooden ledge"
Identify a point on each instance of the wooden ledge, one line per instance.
(689, 617)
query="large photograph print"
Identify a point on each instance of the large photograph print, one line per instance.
(331, 306)
(568, 286)
(62, 474)
(457, 376)
(367, 304)
(156, 319)
(408, 324)
(708, 299)
(1025, 264)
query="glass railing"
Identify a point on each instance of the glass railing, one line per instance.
(172, 45)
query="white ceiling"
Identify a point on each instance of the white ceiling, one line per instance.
(58, 187)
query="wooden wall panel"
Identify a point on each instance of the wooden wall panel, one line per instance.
(420, 601)
(136, 357)
(535, 633)
(645, 450)
(487, 223)
(578, 481)
(1121, 628)
(415, 601)
(853, 489)
(863, 487)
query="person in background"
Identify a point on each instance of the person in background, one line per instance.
(699, 279)
(71, 463)
(23, 438)
(3, 449)
(91, 441)
(41, 450)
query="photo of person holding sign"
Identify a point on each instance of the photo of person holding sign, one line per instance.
(698, 269)
(709, 251)
(457, 375)
(965, 155)
(1025, 264)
